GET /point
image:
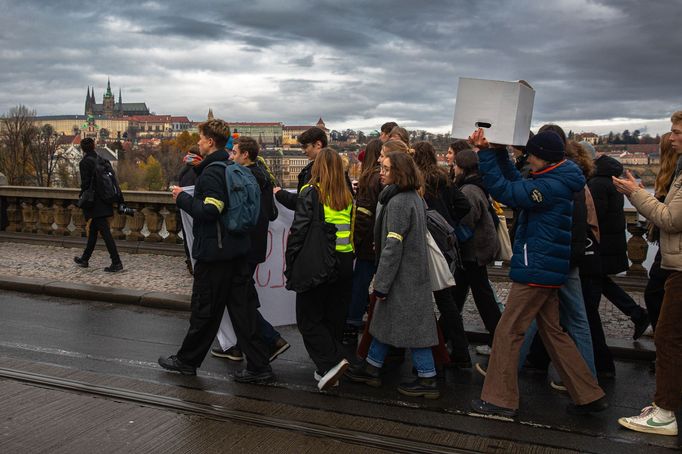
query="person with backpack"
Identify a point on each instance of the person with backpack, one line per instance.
(222, 217)
(447, 200)
(245, 153)
(102, 207)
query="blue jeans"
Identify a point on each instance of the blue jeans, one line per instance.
(573, 318)
(422, 358)
(362, 275)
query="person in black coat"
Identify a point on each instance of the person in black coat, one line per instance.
(312, 141)
(609, 205)
(97, 214)
(245, 152)
(443, 196)
(221, 274)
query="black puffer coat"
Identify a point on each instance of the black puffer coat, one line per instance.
(100, 209)
(609, 205)
(366, 205)
(212, 242)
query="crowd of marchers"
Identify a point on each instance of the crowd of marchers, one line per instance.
(370, 269)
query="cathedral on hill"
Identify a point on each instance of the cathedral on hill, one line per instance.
(110, 108)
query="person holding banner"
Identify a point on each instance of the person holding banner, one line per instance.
(221, 273)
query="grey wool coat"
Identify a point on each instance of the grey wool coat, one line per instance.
(406, 317)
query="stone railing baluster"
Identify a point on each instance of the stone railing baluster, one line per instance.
(154, 223)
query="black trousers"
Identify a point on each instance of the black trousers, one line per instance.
(218, 285)
(592, 291)
(621, 299)
(100, 225)
(654, 291)
(475, 277)
(321, 316)
(451, 324)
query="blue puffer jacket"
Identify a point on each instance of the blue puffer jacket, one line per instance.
(542, 244)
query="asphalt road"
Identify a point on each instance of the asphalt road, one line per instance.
(125, 341)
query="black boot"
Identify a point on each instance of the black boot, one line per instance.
(80, 261)
(114, 267)
(421, 387)
(364, 373)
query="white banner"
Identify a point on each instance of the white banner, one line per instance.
(277, 304)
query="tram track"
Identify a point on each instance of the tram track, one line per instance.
(221, 413)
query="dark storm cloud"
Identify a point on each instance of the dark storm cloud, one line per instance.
(349, 60)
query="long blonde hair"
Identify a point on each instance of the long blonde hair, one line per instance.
(328, 175)
(668, 165)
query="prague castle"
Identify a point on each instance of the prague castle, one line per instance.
(109, 108)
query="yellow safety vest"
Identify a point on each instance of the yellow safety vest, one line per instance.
(342, 221)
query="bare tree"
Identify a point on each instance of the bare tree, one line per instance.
(44, 157)
(17, 132)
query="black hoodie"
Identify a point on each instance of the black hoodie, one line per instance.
(608, 203)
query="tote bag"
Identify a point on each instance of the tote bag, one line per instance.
(439, 271)
(505, 253)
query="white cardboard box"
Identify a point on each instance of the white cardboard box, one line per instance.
(503, 109)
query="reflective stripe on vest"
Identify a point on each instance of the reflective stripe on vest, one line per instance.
(342, 221)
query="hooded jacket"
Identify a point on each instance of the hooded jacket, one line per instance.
(609, 205)
(100, 208)
(542, 245)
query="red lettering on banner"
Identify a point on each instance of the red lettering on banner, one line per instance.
(284, 249)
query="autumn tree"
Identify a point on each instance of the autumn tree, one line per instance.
(153, 175)
(17, 132)
(44, 157)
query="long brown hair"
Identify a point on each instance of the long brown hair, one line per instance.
(369, 162)
(668, 165)
(328, 175)
(578, 154)
(404, 171)
(427, 162)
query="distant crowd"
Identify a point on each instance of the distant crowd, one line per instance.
(387, 265)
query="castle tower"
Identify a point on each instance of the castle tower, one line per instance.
(108, 101)
(120, 103)
(88, 109)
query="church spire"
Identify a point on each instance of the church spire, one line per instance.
(108, 94)
(87, 101)
(210, 113)
(120, 101)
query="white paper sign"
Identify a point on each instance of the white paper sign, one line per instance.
(278, 305)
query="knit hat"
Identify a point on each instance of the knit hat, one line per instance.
(546, 145)
(467, 160)
(589, 147)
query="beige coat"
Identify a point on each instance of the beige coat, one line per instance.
(668, 217)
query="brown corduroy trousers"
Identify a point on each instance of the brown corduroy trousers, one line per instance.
(524, 304)
(668, 340)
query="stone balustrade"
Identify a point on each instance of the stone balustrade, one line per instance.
(53, 211)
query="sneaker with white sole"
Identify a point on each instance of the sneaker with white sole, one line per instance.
(652, 419)
(318, 376)
(558, 385)
(483, 350)
(332, 376)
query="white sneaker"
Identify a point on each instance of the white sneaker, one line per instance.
(653, 420)
(483, 350)
(318, 377)
(332, 375)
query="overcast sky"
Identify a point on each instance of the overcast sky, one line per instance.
(595, 65)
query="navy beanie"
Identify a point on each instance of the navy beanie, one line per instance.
(546, 145)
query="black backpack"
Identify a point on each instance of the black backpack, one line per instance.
(106, 185)
(444, 236)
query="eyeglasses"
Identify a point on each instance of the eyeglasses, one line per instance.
(385, 169)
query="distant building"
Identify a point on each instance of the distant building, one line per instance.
(109, 108)
(266, 134)
(587, 137)
(290, 133)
